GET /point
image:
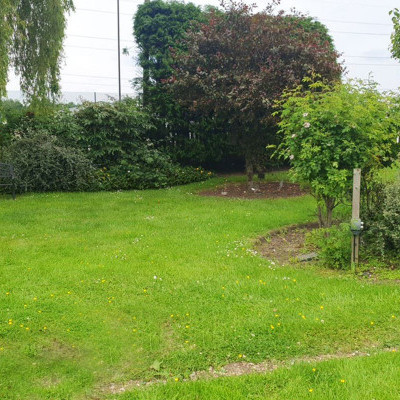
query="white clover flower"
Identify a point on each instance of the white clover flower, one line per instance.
(305, 115)
(291, 157)
(294, 135)
(306, 125)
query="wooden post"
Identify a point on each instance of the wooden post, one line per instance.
(355, 248)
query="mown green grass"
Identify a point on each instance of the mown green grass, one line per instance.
(94, 288)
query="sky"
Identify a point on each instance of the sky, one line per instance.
(361, 31)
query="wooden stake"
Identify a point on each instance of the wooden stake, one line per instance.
(355, 247)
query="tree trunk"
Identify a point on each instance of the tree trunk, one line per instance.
(250, 174)
(325, 214)
(261, 175)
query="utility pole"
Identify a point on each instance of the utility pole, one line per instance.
(119, 54)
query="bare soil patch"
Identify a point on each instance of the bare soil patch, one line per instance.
(262, 190)
(285, 244)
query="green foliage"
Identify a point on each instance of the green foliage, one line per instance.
(114, 136)
(240, 62)
(333, 245)
(43, 163)
(12, 114)
(113, 132)
(152, 170)
(395, 36)
(330, 130)
(382, 219)
(158, 26)
(31, 38)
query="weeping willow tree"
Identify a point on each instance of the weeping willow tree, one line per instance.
(31, 42)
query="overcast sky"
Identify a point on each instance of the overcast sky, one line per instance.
(361, 31)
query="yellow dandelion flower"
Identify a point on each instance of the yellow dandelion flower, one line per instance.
(10, 322)
(321, 307)
(176, 379)
(21, 325)
(172, 315)
(314, 369)
(372, 322)
(272, 327)
(342, 381)
(240, 356)
(310, 390)
(187, 327)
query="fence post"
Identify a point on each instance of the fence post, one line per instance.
(356, 224)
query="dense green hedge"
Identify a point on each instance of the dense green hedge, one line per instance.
(98, 146)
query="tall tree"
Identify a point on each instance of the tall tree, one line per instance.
(238, 64)
(31, 41)
(159, 25)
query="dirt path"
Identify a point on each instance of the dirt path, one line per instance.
(242, 368)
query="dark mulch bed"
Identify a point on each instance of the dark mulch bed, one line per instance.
(262, 190)
(285, 244)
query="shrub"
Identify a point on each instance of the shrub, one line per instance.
(382, 234)
(333, 244)
(43, 163)
(330, 130)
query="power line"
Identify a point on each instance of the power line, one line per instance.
(91, 84)
(102, 11)
(100, 38)
(90, 48)
(376, 65)
(93, 76)
(355, 4)
(354, 22)
(362, 33)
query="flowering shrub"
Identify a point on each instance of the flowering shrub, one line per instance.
(330, 130)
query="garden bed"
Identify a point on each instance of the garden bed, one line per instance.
(286, 244)
(262, 190)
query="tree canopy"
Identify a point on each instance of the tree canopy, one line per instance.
(158, 26)
(238, 64)
(31, 41)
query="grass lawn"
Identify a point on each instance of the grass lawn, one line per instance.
(101, 288)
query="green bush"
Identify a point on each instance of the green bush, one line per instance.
(149, 176)
(43, 163)
(333, 245)
(382, 221)
(115, 137)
